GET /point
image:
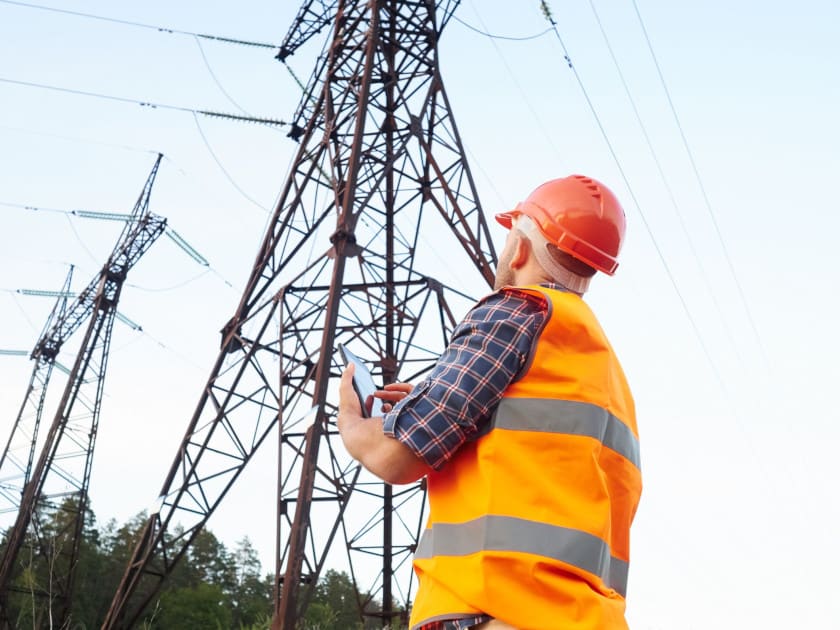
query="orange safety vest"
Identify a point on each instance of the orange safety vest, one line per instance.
(530, 523)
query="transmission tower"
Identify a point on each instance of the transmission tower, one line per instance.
(54, 500)
(379, 202)
(19, 454)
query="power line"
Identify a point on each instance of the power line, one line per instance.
(665, 183)
(224, 170)
(701, 185)
(79, 239)
(523, 93)
(548, 16)
(161, 29)
(212, 114)
(505, 37)
(34, 208)
(130, 323)
(23, 311)
(111, 145)
(78, 139)
(216, 79)
(115, 216)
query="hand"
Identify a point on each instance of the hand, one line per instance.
(393, 393)
(365, 440)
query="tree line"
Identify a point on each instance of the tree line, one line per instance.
(212, 587)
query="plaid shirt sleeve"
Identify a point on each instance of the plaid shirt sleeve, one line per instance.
(487, 351)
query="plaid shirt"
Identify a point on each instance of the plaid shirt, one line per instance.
(488, 350)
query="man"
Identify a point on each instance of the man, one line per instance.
(526, 432)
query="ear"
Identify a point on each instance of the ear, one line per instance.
(521, 252)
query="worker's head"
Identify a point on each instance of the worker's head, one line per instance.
(565, 231)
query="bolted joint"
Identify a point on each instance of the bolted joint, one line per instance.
(416, 126)
(117, 275)
(231, 333)
(434, 285)
(425, 190)
(344, 242)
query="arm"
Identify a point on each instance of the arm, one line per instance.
(366, 442)
(487, 351)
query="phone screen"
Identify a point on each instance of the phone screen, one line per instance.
(362, 382)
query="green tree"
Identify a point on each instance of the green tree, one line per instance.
(334, 605)
(44, 563)
(203, 606)
(251, 597)
(210, 587)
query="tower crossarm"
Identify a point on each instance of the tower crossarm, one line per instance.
(131, 244)
(312, 18)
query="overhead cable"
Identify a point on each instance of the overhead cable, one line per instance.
(524, 94)
(224, 170)
(492, 36)
(23, 311)
(80, 239)
(668, 189)
(78, 139)
(71, 295)
(110, 216)
(701, 185)
(161, 29)
(548, 16)
(216, 79)
(212, 114)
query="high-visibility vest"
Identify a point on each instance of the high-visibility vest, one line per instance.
(530, 523)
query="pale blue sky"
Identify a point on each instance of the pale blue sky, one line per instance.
(737, 527)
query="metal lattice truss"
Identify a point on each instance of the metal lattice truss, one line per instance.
(379, 202)
(19, 454)
(54, 495)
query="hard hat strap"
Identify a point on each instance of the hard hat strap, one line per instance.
(570, 280)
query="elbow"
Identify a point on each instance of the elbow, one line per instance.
(398, 469)
(404, 476)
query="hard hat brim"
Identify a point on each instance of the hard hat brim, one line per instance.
(506, 218)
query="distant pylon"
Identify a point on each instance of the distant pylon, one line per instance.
(19, 453)
(379, 202)
(53, 506)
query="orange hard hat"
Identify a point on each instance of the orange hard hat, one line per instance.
(579, 215)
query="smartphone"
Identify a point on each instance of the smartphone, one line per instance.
(362, 382)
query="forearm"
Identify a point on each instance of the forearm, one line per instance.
(384, 456)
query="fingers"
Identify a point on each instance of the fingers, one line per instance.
(347, 399)
(405, 388)
(384, 394)
(394, 392)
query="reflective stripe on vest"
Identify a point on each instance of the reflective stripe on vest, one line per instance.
(567, 417)
(507, 533)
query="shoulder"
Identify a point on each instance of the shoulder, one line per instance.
(512, 316)
(511, 302)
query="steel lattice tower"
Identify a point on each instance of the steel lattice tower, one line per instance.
(54, 491)
(19, 454)
(379, 202)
